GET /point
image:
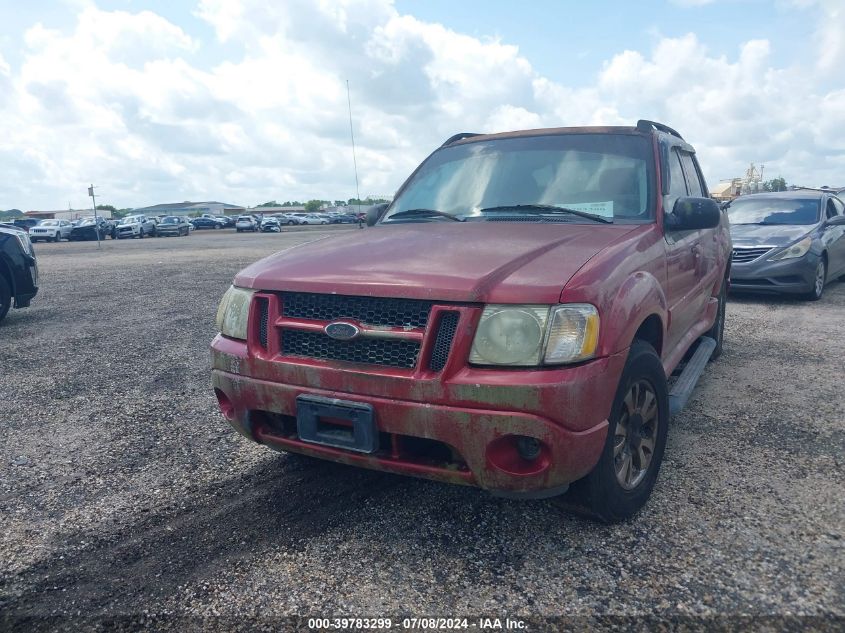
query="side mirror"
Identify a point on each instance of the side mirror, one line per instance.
(375, 212)
(837, 220)
(690, 214)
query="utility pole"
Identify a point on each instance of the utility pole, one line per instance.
(96, 219)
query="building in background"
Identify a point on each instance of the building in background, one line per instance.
(190, 208)
(726, 189)
(66, 214)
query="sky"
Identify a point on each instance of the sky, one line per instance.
(246, 101)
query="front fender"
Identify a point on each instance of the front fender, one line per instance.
(639, 297)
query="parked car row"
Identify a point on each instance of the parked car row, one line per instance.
(140, 226)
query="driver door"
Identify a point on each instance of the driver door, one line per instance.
(683, 251)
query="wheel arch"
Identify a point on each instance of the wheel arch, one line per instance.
(638, 310)
(651, 331)
(6, 273)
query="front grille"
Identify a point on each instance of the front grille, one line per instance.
(443, 343)
(374, 351)
(369, 310)
(752, 282)
(262, 322)
(744, 255)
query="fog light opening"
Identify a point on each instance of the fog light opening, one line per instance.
(226, 406)
(528, 447)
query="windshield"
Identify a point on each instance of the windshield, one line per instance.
(244, 218)
(774, 211)
(171, 219)
(87, 221)
(49, 223)
(129, 219)
(608, 175)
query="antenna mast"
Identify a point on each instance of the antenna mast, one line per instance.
(352, 136)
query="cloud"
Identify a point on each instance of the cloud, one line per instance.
(131, 102)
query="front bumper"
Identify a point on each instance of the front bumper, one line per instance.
(476, 415)
(794, 276)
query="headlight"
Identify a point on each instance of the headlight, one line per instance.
(26, 244)
(573, 333)
(233, 313)
(530, 335)
(799, 249)
(22, 237)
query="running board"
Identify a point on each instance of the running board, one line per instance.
(683, 387)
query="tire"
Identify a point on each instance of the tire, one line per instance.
(717, 332)
(55, 239)
(141, 234)
(601, 492)
(291, 222)
(817, 290)
(5, 297)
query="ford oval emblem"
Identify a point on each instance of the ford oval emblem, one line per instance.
(342, 331)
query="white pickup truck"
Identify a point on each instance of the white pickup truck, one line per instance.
(138, 226)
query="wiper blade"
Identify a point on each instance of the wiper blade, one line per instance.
(548, 209)
(420, 213)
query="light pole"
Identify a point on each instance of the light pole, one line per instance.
(96, 219)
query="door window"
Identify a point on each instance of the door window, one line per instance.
(677, 184)
(831, 211)
(693, 178)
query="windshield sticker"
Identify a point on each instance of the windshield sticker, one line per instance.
(604, 209)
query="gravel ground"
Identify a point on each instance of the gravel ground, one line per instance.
(126, 499)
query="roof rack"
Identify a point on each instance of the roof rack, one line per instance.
(644, 125)
(458, 137)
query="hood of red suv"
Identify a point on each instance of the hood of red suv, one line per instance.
(488, 262)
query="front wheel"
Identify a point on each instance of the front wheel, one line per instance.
(622, 480)
(819, 280)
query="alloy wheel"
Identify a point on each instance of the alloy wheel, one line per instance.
(636, 435)
(819, 282)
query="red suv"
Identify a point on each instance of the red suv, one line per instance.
(510, 321)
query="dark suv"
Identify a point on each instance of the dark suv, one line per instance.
(18, 269)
